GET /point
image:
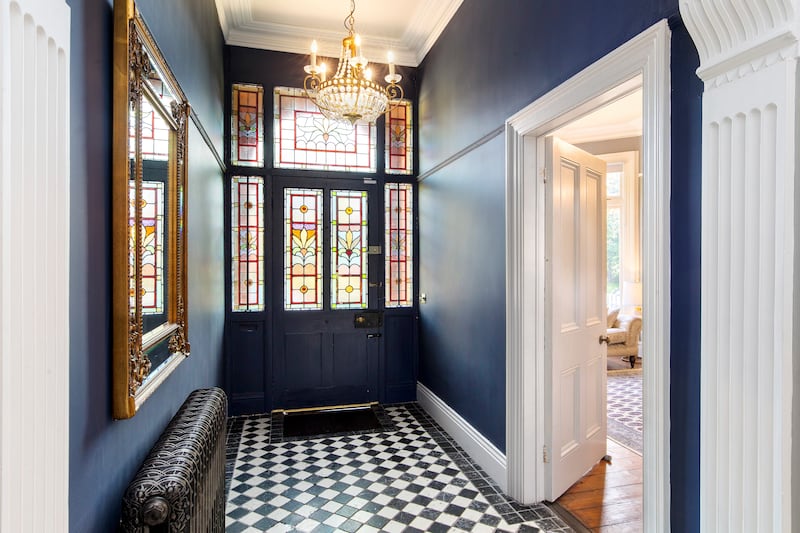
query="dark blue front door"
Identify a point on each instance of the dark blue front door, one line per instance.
(327, 344)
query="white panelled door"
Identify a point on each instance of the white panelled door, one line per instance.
(576, 425)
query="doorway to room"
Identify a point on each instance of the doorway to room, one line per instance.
(610, 493)
(642, 63)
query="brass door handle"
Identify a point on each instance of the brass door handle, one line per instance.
(603, 339)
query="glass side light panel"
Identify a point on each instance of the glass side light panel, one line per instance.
(613, 257)
(247, 126)
(152, 249)
(399, 198)
(349, 250)
(247, 243)
(399, 140)
(302, 239)
(614, 174)
(305, 139)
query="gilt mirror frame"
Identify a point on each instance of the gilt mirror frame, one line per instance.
(147, 344)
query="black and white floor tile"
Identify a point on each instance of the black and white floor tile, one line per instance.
(412, 479)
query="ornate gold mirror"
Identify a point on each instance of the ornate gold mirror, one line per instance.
(148, 215)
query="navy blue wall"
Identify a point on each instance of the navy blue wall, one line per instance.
(687, 90)
(492, 60)
(104, 454)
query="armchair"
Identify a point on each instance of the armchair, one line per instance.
(623, 335)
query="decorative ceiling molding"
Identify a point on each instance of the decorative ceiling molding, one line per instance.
(429, 20)
(735, 37)
(427, 25)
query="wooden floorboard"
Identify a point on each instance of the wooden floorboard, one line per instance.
(608, 499)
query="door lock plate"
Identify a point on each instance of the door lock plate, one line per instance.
(368, 319)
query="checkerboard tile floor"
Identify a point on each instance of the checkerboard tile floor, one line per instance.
(413, 479)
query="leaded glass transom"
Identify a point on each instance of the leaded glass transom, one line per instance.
(303, 241)
(247, 240)
(247, 126)
(305, 139)
(399, 263)
(349, 251)
(399, 140)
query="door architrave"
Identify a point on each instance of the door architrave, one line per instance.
(642, 62)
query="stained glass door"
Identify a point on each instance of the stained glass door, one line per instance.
(328, 315)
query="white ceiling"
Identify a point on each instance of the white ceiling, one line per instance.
(618, 120)
(408, 28)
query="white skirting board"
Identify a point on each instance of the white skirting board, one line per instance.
(478, 447)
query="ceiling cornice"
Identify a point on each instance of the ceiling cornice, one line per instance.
(427, 25)
(240, 29)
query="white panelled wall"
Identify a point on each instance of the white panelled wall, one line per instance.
(34, 259)
(748, 53)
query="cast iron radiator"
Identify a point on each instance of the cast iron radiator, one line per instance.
(180, 487)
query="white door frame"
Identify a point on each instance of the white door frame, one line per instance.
(642, 62)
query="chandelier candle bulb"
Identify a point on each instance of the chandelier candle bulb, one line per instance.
(314, 53)
(323, 71)
(390, 57)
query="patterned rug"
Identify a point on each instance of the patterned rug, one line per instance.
(625, 408)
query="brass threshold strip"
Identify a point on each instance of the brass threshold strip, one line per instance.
(327, 408)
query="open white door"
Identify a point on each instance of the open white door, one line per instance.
(576, 421)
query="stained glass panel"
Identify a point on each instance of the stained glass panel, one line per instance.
(247, 240)
(399, 198)
(399, 140)
(349, 250)
(152, 250)
(247, 126)
(305, 139)
(155, 131)
(303, 242)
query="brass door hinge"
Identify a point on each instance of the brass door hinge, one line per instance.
(545, 459)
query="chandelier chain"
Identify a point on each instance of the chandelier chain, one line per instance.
(350, 20)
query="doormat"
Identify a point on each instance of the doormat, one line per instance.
(329, 423)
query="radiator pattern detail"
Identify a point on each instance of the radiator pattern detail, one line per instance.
(180, 487)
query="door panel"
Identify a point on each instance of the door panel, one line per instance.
(566, 276)
(303, 360)
(247, 376)
(320, 358)
(577, 249)
(353, 365)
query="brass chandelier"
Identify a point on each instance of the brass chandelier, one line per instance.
(350, 94)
